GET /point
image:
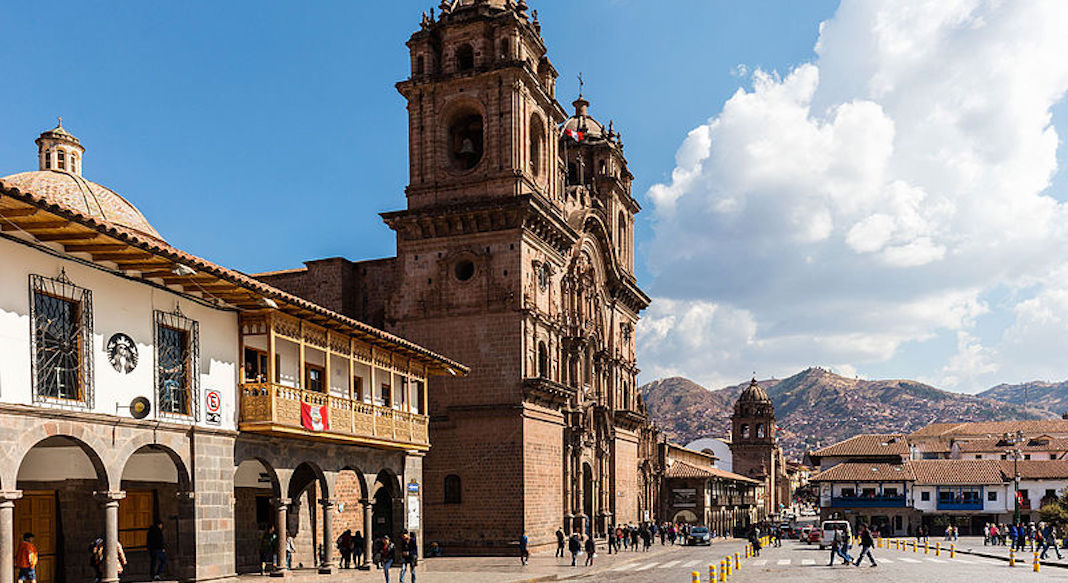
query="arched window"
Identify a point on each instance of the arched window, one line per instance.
(506, 49)
(465, 58)
(622, 230)
(745, 430)
(48, 160)
(760, 430)
(73, 163)
(543, 361)
(420, 65)
(453, 489)
(537, 136)
(466, 139)
(61, 160)
(626, 396)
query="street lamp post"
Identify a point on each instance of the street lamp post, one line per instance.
(1014, 439)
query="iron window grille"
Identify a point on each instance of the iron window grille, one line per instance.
(177, 357)
(61, 343)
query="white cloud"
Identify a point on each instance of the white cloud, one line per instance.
(870, 199)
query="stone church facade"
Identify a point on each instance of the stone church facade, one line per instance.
(515, 255)
(755, 451)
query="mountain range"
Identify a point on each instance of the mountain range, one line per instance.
(816, 407)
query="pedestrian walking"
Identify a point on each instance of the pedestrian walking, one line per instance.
(96, 559)
(754, 541)
(157, 551)
(291, 547)
(120, 558)
(357, 548)
(560, 542)
(1049, 538)
(612, 540)
(268, 547)
(404, 555)
(633, 538)
(524, 551)
(836, 545)
(574, 547)
(386, 553)
(413, 555)
(866, 543)
(843, 549)
(344, 548)
(26, 559)
(591, 551)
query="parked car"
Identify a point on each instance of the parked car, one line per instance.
(814, 536)
(829, 527)
(699, 535)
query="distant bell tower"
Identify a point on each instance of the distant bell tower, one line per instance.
(482, 112)
(753, 446)
(57, 149)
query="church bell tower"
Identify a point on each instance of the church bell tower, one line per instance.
(482, 112)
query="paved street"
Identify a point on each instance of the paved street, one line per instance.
(794, 561)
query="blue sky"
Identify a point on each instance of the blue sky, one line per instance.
(262, 134)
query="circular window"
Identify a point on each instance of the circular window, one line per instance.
(465, 141)
(464, 270)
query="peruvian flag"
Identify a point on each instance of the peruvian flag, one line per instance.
(576, 135)
(314, 417)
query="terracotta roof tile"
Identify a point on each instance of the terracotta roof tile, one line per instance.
(997, 445)
(1035, 469)
(681, 469)
(866, 472)
(994, 428)
(868, 444)
(975, 472)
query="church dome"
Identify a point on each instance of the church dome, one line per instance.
(59, 181)
(754, 393)
(581, 124)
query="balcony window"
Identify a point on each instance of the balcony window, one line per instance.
(314, 378)
(849, 493)
(889, 491)
(357, 389)
(61, 316)
(255, 365)
(177, 357)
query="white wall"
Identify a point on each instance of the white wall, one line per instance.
(720, 448)
(119, 305)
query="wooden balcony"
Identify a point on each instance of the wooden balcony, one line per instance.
(275, 410)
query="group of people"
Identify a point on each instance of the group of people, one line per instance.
(842, 542)
(350, 546)
(1024, 536)
(27, 556)
(404, 552)
(577, 544)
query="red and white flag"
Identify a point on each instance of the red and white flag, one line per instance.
(576, 135)
(314, 417)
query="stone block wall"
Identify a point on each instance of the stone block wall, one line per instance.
(213, 478)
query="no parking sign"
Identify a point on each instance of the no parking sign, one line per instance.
(213, 405)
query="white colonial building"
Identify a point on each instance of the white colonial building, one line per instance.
(167, 388)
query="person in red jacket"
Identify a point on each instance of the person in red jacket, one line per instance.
(26, 559)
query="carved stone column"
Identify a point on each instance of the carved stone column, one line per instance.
(110, 502)
(7, 535)
(368, 528)
(327, 566)
(281, 505)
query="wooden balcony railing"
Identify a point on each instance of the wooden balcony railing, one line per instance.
(275, 409)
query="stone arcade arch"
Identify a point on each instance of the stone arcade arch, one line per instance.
(388, 510)
(157, 487)
(256, 495)
(57, 476)
(308, 494)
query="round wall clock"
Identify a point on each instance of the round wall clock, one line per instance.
(122, 352)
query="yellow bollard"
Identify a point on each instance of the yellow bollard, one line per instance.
(722, 570)
(711, 574)
(926, 547)
(938, 549)
(1012, 557)
(695, 577)
(729, 570)
(1036, 561)
(952, 550)
(879, 543)
(914, 545)
(737, 563)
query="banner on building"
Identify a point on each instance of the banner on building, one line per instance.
(413, 513)
(684, 498)
(313, 417)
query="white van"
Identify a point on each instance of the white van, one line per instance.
(829, 527)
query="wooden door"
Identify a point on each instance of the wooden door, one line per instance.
(136, 512)
(36, 512)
